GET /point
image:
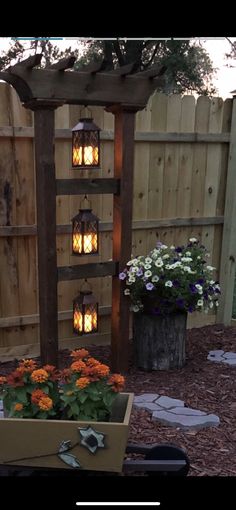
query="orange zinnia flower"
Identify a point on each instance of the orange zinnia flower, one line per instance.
(18, 407)
(28, 365)
(117, 381)
(39, 376)
(15, 379)
(3, 379)
(93, 362)
(36, 396)
(78, 366)
(79, 353)
(101, 370)
(82, 382)
(45, 404)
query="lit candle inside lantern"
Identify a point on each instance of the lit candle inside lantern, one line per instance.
(77, 155)
(95, 319)
(88, 324)
(77, 243)
(78, 321)
(88, 155)
(88, 246)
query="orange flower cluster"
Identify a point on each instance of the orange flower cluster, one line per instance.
(84, 390)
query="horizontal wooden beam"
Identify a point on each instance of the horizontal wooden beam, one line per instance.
(79, 87)
(108, 135)
(105, 226)
(87, 186)
(87, 271)
(73, 342)
(194, 320)
(25, 320)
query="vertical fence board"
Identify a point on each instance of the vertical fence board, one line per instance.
(9, 281)
(171, 159)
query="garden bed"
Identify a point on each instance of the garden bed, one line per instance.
(203, 385)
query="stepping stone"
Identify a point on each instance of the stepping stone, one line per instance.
(146, 397)
(231, 362)
(229, 355)
(187, 411)
(148, 406)
(172, 412)
(184, 421)
(216, 353)
(168, 402)
(228, 358)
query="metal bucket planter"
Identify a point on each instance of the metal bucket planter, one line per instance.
(98, 446)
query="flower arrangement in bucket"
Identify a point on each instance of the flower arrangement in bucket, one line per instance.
(168, 283)
(84, 391)
(69, 415)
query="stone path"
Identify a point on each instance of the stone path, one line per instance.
(222, 357)
(172, 411)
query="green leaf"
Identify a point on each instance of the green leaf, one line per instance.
(21, 393)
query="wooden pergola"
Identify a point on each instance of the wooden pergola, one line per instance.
(123, 93)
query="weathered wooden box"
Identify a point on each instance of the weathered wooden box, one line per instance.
(98, 446)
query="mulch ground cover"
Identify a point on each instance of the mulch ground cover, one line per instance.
(202, 385)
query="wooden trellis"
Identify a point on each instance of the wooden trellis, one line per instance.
(123, 94)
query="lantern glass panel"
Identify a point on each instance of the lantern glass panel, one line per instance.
(85, 233)
(86, 144)
(85, 314)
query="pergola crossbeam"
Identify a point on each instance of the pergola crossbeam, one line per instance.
(63, 64)
(152, 72)
(28, 63)
(86, 87)
(123, 70)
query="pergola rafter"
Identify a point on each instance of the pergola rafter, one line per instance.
(123, 93)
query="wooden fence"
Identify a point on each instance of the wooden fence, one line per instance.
(181, 161)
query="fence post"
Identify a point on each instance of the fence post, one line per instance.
(122, 233)
(46, 229)
(228, 250)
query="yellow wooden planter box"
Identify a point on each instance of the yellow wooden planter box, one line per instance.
(98, 446)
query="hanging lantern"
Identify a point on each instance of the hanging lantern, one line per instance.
(85, 233)
(85, 313)
(86, 144)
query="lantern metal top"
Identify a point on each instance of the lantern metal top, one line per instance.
(85, 297)
(86, 124)
(85, 215)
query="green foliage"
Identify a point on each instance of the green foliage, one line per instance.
(189, 67)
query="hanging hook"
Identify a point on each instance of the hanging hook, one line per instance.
(85, 203)
(85, 107)
(84, 284)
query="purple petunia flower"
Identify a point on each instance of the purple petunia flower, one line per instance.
(180, 302)
(122, 276)
(190, 309)
(193, 288)
(139, 272)
(200, 281)
(178, 249)
(176, 283)
(149, 286)
(159, 244)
